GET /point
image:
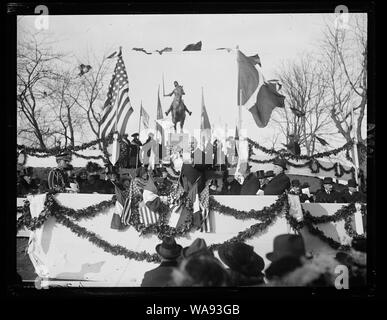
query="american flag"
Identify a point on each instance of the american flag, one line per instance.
(123, 205)
(117, 108)
(147, 216)
(204, 202)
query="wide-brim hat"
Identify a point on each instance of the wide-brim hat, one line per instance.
(269, 174)
(241, 257)
(261, 174)
(286, 245)
(280, 162)
(352, 183)
(135, 135)
(169, 249)
(283, 266)
(327, 180)
(197, 247)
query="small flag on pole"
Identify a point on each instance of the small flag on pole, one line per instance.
(144, 117)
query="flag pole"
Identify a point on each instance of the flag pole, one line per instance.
(139, 127)
(163, 86)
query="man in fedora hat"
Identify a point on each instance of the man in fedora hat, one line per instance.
(168, 251)
(245, 265)
(25, 184)
(57, 177)
(288, 254)
(327, 194)
(251, 183)
(351, 194)
(280, 181)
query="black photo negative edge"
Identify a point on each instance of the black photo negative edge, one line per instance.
(145, 295)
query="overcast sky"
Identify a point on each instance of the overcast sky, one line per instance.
(277, 38)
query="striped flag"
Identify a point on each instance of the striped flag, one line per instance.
(144, 117)
(117, 108)
(122, 209)
(204, 203)
(147, 216)
(126, 206)
(205, 126)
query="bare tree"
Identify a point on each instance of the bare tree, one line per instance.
(35, 68)
(345, 73)
(93, 90)
(305, 114)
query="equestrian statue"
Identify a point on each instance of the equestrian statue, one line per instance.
(177, 107)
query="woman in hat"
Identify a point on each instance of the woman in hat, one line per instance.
(168, 251)
(280, 181)
(327, 194)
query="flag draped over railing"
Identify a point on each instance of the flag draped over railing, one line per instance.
(117, 108)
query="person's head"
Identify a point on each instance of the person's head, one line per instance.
(175, 83)
(279, 166)
(164, 172)
(240, 257)
(83, 175)
(287, 245)
(352, 185)
(142, 173)
(296, 186)
(169, 249)
(327, 184)
(125, 181)
(201, 271)
(27, 174)
(135, 135)
(63, 160)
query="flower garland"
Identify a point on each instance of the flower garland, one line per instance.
(346, 146)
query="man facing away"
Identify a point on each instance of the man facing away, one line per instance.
(169, 252)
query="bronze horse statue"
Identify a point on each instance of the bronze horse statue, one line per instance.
(177, 107)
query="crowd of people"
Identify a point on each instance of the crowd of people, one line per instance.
(64, 178)
(239, 265)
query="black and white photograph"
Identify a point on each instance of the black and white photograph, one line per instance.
(159, 150)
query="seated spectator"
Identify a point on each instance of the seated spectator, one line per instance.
(327, 194)
(245, 266)
(280, 181)
(251, 183)
(94, 182)
(296, 189)
(307, 196)
(168, 251)
(81, 179)
(351, 194)
(233, 186)
(200, 271)
(261, 177)
(24, 183)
